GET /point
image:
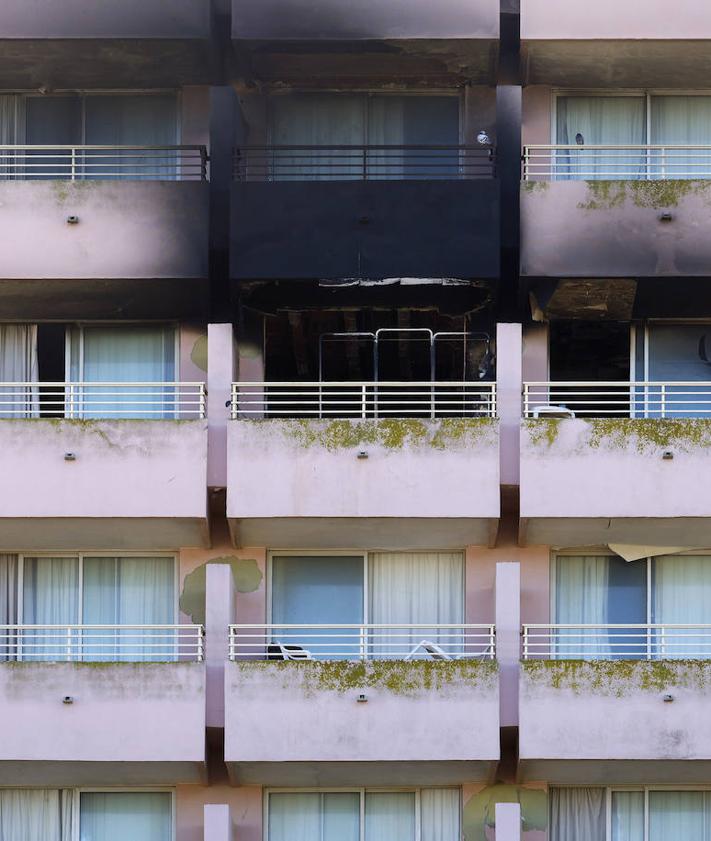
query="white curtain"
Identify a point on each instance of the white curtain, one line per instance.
(577, 814)
(679, 814)
(390, 816)
(120, 816)
(600, 120)
(413, 588)
(125, 354)
(129, 591)
(440, 814)
(142, 120)
(35, 815)
(681, 595)
(627, 818)
(314, 816)
(581, 598)
(325, 120)
(50, 596)
(8, 605)
(682, 121)
(18, 364)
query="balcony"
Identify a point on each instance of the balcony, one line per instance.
(122, 464)
(609, 704)
(345, 692)
(615, 211)
(70, 48)
(60, 685)
(365, 212)
(642, 43)
(615, 463)
(323, 465)
(116, 215)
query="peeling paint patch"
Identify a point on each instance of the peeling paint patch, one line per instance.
(198, 355)
(480, 809)
(247, 578)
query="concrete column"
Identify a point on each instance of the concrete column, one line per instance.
(220, 374)
(508, 630)
(508, 822)
(509, 350)
(217, 822)
(219, 614)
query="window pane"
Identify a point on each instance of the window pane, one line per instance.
(390, 816)
(440, 814)
(52, 120)
(128, 355)
(314, 816)
(627, 816)
(682, 121)
(600, 590)
(417, 588)
(318, 591)
(682, 595)
(679, 353)
(50, 596)
(129, 591)
(600, 120)
(118, 816)
(34, 815)
(679, 814)
(577, 814)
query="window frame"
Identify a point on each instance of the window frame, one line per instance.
(362, 791)
(80, 556)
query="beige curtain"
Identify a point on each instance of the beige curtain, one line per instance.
(18, 364)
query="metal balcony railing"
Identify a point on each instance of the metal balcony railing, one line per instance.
(101, 643)
(103, 163)
(616, 642)
(362, 642)
(615, 162)
(82, 400)
(617, 399)
(363, 400)
(363, 163)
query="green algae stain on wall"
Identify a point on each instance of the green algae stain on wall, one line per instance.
(391, 433)
(480, 810)
(617, 678)
(247, 578)
(655, 195)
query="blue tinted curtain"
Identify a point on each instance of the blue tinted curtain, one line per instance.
(390, 816)
(600, 120)
(124, 816)
(676, 355)
(50, 596)
(318, 590)
(679, 815)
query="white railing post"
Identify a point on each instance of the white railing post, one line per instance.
(649, 642)
(74, 163)
(663, 400)
(363, 401)
(69, 642)
(363, 642)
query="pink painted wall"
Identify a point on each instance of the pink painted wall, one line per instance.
(126, 229)
(568, 229)
(280, 479)
(118, 717)
(150, 474)
(537, 102)
(633, 19)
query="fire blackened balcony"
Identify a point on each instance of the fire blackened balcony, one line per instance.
(365, 211)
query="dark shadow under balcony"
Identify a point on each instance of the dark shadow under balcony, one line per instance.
(304, 212)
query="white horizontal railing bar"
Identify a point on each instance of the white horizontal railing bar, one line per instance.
(73, 399)
(80, 161)
(652, 641)
(364, 642)
(635, 399)
(366, 399)
(110, 643)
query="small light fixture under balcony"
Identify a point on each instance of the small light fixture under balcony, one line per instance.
(72, 220)
(67, 699)
(362, 699)
(70, 456)
(668, 699)
(668, 455)
(362, 454)
(666, 216)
